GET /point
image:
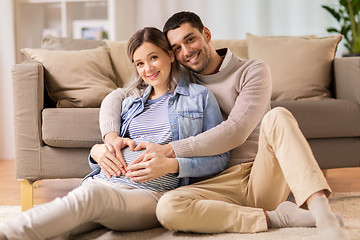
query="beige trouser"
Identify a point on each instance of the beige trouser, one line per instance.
(235, 200)
(94, 204)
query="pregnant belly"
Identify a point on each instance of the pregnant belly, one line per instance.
(164, 183)
(129, 155)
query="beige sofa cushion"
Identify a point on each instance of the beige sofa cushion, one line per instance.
(238, 47)
(71, 127)
(327, 118)
(300, 66)
(57, 43)
(123, 68)
(76, 78)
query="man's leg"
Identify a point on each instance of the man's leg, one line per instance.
(285, 158)
(212, 206)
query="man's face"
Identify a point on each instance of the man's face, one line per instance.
(191, 47)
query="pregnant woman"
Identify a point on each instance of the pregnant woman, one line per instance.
(159, 107)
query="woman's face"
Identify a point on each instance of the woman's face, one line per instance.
(154, 66)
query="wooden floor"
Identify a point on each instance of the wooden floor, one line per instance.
(340, 180)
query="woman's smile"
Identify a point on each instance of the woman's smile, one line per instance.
(153, 76)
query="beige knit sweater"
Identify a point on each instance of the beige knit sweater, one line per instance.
(243, 91)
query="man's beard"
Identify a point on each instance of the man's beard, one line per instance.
(205, 62)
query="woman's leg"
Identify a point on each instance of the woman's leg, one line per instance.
(116, 207)
(50, 219)
(129, 209)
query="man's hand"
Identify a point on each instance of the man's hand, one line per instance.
(153, 166)
(165, 150)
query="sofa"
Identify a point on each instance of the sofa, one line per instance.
(56, 100)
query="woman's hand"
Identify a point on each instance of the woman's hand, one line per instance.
(153, 166)
(102, 154)
(118, 143)
(109, 156)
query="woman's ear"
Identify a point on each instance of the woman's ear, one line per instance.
(207, 34)
(172, 57)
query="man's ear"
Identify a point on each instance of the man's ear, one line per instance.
(207, 34)
(172, 57)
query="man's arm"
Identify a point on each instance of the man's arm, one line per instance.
(250, 106)
(110, 112)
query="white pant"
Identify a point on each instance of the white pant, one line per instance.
(95, 203)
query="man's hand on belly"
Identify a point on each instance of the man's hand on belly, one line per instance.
(165, 150)
(153, 166)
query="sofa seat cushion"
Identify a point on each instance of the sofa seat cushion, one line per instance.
(329, 118)
(71, 127)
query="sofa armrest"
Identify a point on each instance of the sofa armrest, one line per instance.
(347, 81)
(28, 87)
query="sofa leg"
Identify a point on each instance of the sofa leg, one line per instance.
(27, 195)
(325, 172)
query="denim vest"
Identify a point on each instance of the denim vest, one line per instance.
(192, 109)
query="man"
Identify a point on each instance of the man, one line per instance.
(269, 154)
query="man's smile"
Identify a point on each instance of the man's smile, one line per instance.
(193, 58)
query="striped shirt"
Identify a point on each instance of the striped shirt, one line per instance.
(152, 125)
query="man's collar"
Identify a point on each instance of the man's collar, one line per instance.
(222, 52)
(226, 54)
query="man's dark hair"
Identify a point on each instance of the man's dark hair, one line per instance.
(183, 17)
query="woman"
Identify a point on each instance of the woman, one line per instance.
(160, 107)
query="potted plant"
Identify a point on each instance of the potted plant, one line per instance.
(348, 16)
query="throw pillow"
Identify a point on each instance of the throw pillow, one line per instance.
(238, 47)
(58, 43)
(123, 68)
(76, 78)
(300, 66)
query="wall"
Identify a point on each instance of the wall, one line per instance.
(232, 19)
(7, 60)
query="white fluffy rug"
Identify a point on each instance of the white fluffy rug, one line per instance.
(345, 204)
